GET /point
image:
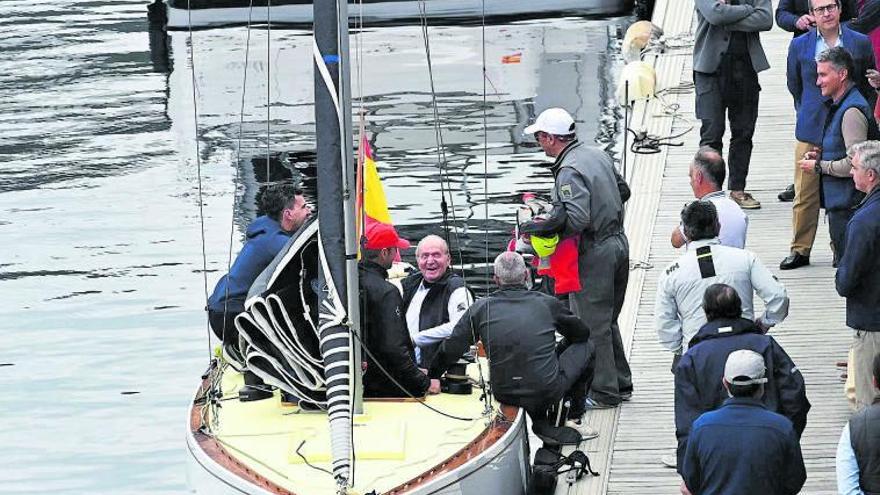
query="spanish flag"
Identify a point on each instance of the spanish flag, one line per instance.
(372, 207)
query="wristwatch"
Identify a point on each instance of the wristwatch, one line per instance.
(817, 167)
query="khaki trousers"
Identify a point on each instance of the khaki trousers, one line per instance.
(865, 346)
(805, 210)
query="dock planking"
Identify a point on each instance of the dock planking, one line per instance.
(636, 435)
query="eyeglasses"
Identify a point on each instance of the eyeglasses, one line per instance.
(825, 9)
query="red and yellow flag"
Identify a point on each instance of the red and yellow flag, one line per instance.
(372, 207)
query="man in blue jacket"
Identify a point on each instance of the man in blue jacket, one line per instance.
(812, 113)
(284, 211)
(742, 448)
(697, 388)
(858, 275)
(796, 17)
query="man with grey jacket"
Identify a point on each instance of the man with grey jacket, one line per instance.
(588, 196)
(727, 58)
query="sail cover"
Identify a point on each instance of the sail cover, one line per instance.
(280, 321)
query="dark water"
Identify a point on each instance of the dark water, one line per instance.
(101, 265)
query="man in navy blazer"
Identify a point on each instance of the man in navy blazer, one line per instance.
(811, 113)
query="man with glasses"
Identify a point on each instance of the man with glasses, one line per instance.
(812, 113)
(796, 17)
(434, 298)
(727, 58)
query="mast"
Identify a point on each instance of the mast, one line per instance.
(337, 248)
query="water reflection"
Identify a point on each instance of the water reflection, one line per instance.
(255, 94)
(104, 260)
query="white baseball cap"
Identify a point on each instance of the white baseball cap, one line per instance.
(744, 367)
(554, 121)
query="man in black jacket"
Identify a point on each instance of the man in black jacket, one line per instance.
(698, 386)
(518, 330)
(391, 368)
(434, 298)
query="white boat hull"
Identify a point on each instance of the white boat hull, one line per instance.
(390, 11)
(502, 467)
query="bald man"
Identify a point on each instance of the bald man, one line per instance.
(434, 298)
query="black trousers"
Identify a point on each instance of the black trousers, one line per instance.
(219, 319)
(604, 273)
(731, 92)
(576, 362)
(837, 220)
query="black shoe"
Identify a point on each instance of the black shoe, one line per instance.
(787, 194)
(794, 260)
(254, 388)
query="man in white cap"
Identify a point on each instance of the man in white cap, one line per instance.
(588, 196)
(743, 448)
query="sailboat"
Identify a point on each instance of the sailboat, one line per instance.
(206, 13)
(302, 324)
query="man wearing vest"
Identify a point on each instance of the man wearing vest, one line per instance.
(858, 452)
(434, 298)
(848, 121)
(679, 305)
(858, 276)
(796, 17)
(812, 113)
(588, 195)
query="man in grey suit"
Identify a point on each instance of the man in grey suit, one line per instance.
(727, 58)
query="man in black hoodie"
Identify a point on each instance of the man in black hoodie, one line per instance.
(698, 386)
(391, 366)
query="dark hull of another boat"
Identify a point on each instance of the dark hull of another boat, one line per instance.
(214, 13)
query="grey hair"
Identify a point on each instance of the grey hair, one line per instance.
(869, 154)
(709, 161)
(839, 58)
(432, 237)
(510, 269)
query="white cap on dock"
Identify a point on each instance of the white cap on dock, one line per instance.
(554, 121)
(744, 364)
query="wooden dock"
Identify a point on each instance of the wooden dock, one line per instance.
(636, 435)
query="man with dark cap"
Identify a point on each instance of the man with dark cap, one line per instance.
(743, 448)
(588, 195)
(697, 389)
(391, 367)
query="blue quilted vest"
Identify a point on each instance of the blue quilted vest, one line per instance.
(839, 193)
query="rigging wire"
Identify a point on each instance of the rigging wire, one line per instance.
(268, 89)
(488, 385)
(445, 181)
(237, 178)
(420, 400)
(192, 67)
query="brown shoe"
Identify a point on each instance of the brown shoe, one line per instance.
(745, 200)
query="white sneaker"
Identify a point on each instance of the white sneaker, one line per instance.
(587, 432)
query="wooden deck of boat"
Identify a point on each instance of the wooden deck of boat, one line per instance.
(636, 435)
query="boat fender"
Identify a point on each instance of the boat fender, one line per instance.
(637, 38)
(640, 78)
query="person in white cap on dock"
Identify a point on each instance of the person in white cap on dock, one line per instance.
(743, 448)
(588, 196)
